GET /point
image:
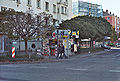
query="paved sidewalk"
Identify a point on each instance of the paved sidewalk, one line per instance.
(53, 58)
(89, 54)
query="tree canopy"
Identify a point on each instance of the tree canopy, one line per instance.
(25, 25)
(89, 27)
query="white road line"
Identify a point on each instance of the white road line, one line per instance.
(116, 71)
(9, 65)
(43, 67)
(77, 69)
(113, 58)
(38, 67)
(118, 55)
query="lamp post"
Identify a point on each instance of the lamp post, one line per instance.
(57, 26)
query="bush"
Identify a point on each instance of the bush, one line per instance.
(36, 57)
(21, 58)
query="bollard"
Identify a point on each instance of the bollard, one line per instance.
(13, 52)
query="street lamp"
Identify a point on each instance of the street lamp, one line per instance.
(57, 27)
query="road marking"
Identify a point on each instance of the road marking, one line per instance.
(43, 67)
(77, 69)
(9, 65)
(39, 67)
(113, 58)
(117, 71)
(118, 55)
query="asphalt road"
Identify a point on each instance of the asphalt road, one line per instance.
(102, 67)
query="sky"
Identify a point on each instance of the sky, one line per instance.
(113, 6)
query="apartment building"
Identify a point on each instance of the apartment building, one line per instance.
(113, 20)
(85, 8)
(60, 9)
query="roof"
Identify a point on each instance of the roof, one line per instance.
(106, 14)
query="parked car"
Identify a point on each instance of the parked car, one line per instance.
(118, 45)
(106, 46)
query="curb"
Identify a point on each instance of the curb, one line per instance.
(90, 54)
(56, 60)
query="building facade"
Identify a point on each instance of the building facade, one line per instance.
(113, 20)
(60, 9)
(85, 8)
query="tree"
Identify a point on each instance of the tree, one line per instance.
(28, 26)
(89, 27)
(3, 25)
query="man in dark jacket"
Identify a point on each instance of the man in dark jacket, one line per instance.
(63, 51)
(58, 51)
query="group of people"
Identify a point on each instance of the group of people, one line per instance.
(61, 51)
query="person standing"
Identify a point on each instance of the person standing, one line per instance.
(63, 52)
(58, 51)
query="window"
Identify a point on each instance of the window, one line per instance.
(29, 2)
(6, 44)
(3, 8)
(66, 1)
(108, 18)
(47, 6)
(62, 9)
(54, 8)
(10, 9)
(38, 3)
(38, 19)
(58, 10)
(60, 0)
(65, 10)
(18, 1)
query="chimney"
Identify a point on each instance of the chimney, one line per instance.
(107, 11)
(110, 12)
(113, 14)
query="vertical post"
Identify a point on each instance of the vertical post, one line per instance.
(57, 26)
(13, 52)
(9, 46)
(19, 45)
(57, 39)
(67, 44)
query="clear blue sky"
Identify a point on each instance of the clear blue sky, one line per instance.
(112, 5)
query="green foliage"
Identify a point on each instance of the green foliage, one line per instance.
(89, 27)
